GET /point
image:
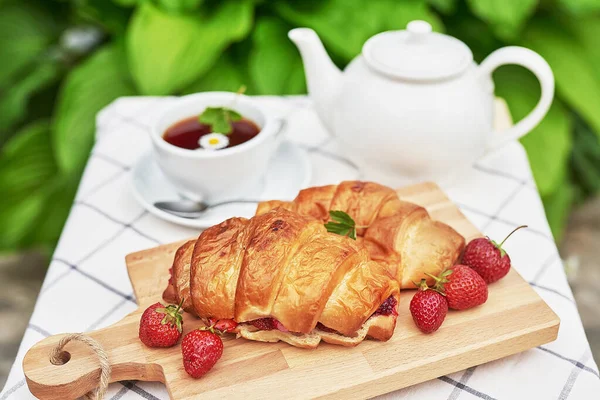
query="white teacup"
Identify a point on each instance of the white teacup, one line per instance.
(212, 176)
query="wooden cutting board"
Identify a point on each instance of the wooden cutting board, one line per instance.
(514, 319)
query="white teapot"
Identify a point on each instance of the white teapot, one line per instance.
(414, 105)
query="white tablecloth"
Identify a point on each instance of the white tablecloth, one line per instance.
(87, 286)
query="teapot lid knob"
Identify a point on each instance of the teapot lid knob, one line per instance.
(417, 53)
(418, 28)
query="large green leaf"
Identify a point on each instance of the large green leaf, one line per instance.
(549, 144)
(585, 159)
(14, 99)
(580, 7)
(225, 75)
(167, 52)
(443, 6)
(58, 194)
(345, 25)
(127, 3)
(25, 33)
(476, 34)
(172, 6)
(178, 6)
(26, 166)
(506, 17)
(577, 81)
(275, 65)
(91, 86)
(26, 160)
(586, 30)
(112, 17)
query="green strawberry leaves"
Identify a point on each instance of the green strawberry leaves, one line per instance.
(342, 224)
(499, 247)
(220, 119)
(172, 316)
(439, 282)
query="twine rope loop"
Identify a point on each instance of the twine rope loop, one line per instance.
(59, 357)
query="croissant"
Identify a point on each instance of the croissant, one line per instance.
(281, 276)
(393, 231)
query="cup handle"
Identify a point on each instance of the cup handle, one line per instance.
(540, 68)
(281, 122)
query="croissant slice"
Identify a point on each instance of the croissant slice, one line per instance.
(360, 294)
(277, 236)
(215, 267)
(312, 275)
(179, 284)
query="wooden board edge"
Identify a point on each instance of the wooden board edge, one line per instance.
(517, 343)
(133, 258)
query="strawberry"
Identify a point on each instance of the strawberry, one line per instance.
(488, 258)
(223, 325)
(463, 287)
(201, 349)
(161, 326)
(428, 308)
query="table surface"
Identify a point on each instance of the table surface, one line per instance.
(87, 286)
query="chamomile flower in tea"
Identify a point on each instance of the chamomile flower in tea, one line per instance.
(213, 141)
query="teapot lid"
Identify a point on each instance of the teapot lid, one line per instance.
(417, 53)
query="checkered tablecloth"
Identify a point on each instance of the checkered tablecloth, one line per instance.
(87, 286)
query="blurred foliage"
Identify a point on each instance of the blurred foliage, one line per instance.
(64, 60)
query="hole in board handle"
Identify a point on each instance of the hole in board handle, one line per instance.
(63, 358)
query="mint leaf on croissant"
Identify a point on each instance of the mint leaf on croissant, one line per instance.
(342, 224)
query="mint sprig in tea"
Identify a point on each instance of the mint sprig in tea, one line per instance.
(214, 128)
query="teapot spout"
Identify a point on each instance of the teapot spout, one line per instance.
(322, 76)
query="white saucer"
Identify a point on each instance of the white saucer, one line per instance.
(289, 171)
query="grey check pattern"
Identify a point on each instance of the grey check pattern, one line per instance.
(87, 287)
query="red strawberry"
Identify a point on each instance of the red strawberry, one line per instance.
(463, 287)
(223, 325)
(161, 326)
(488, 258)
(201, 349)
(428, 308)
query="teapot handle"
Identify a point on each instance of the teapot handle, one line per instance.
(540, 68)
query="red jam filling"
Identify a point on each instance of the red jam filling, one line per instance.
(224, 325)
(388, 307)
(264, 324)
(268, 324)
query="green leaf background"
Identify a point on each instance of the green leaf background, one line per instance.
(91, 86)
(505, 17)
(25, 33)
(167, 52)
(50, 93)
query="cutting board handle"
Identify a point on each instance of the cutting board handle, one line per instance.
(80, 373)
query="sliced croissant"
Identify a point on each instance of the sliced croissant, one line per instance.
(286, 267)
(283, 265)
